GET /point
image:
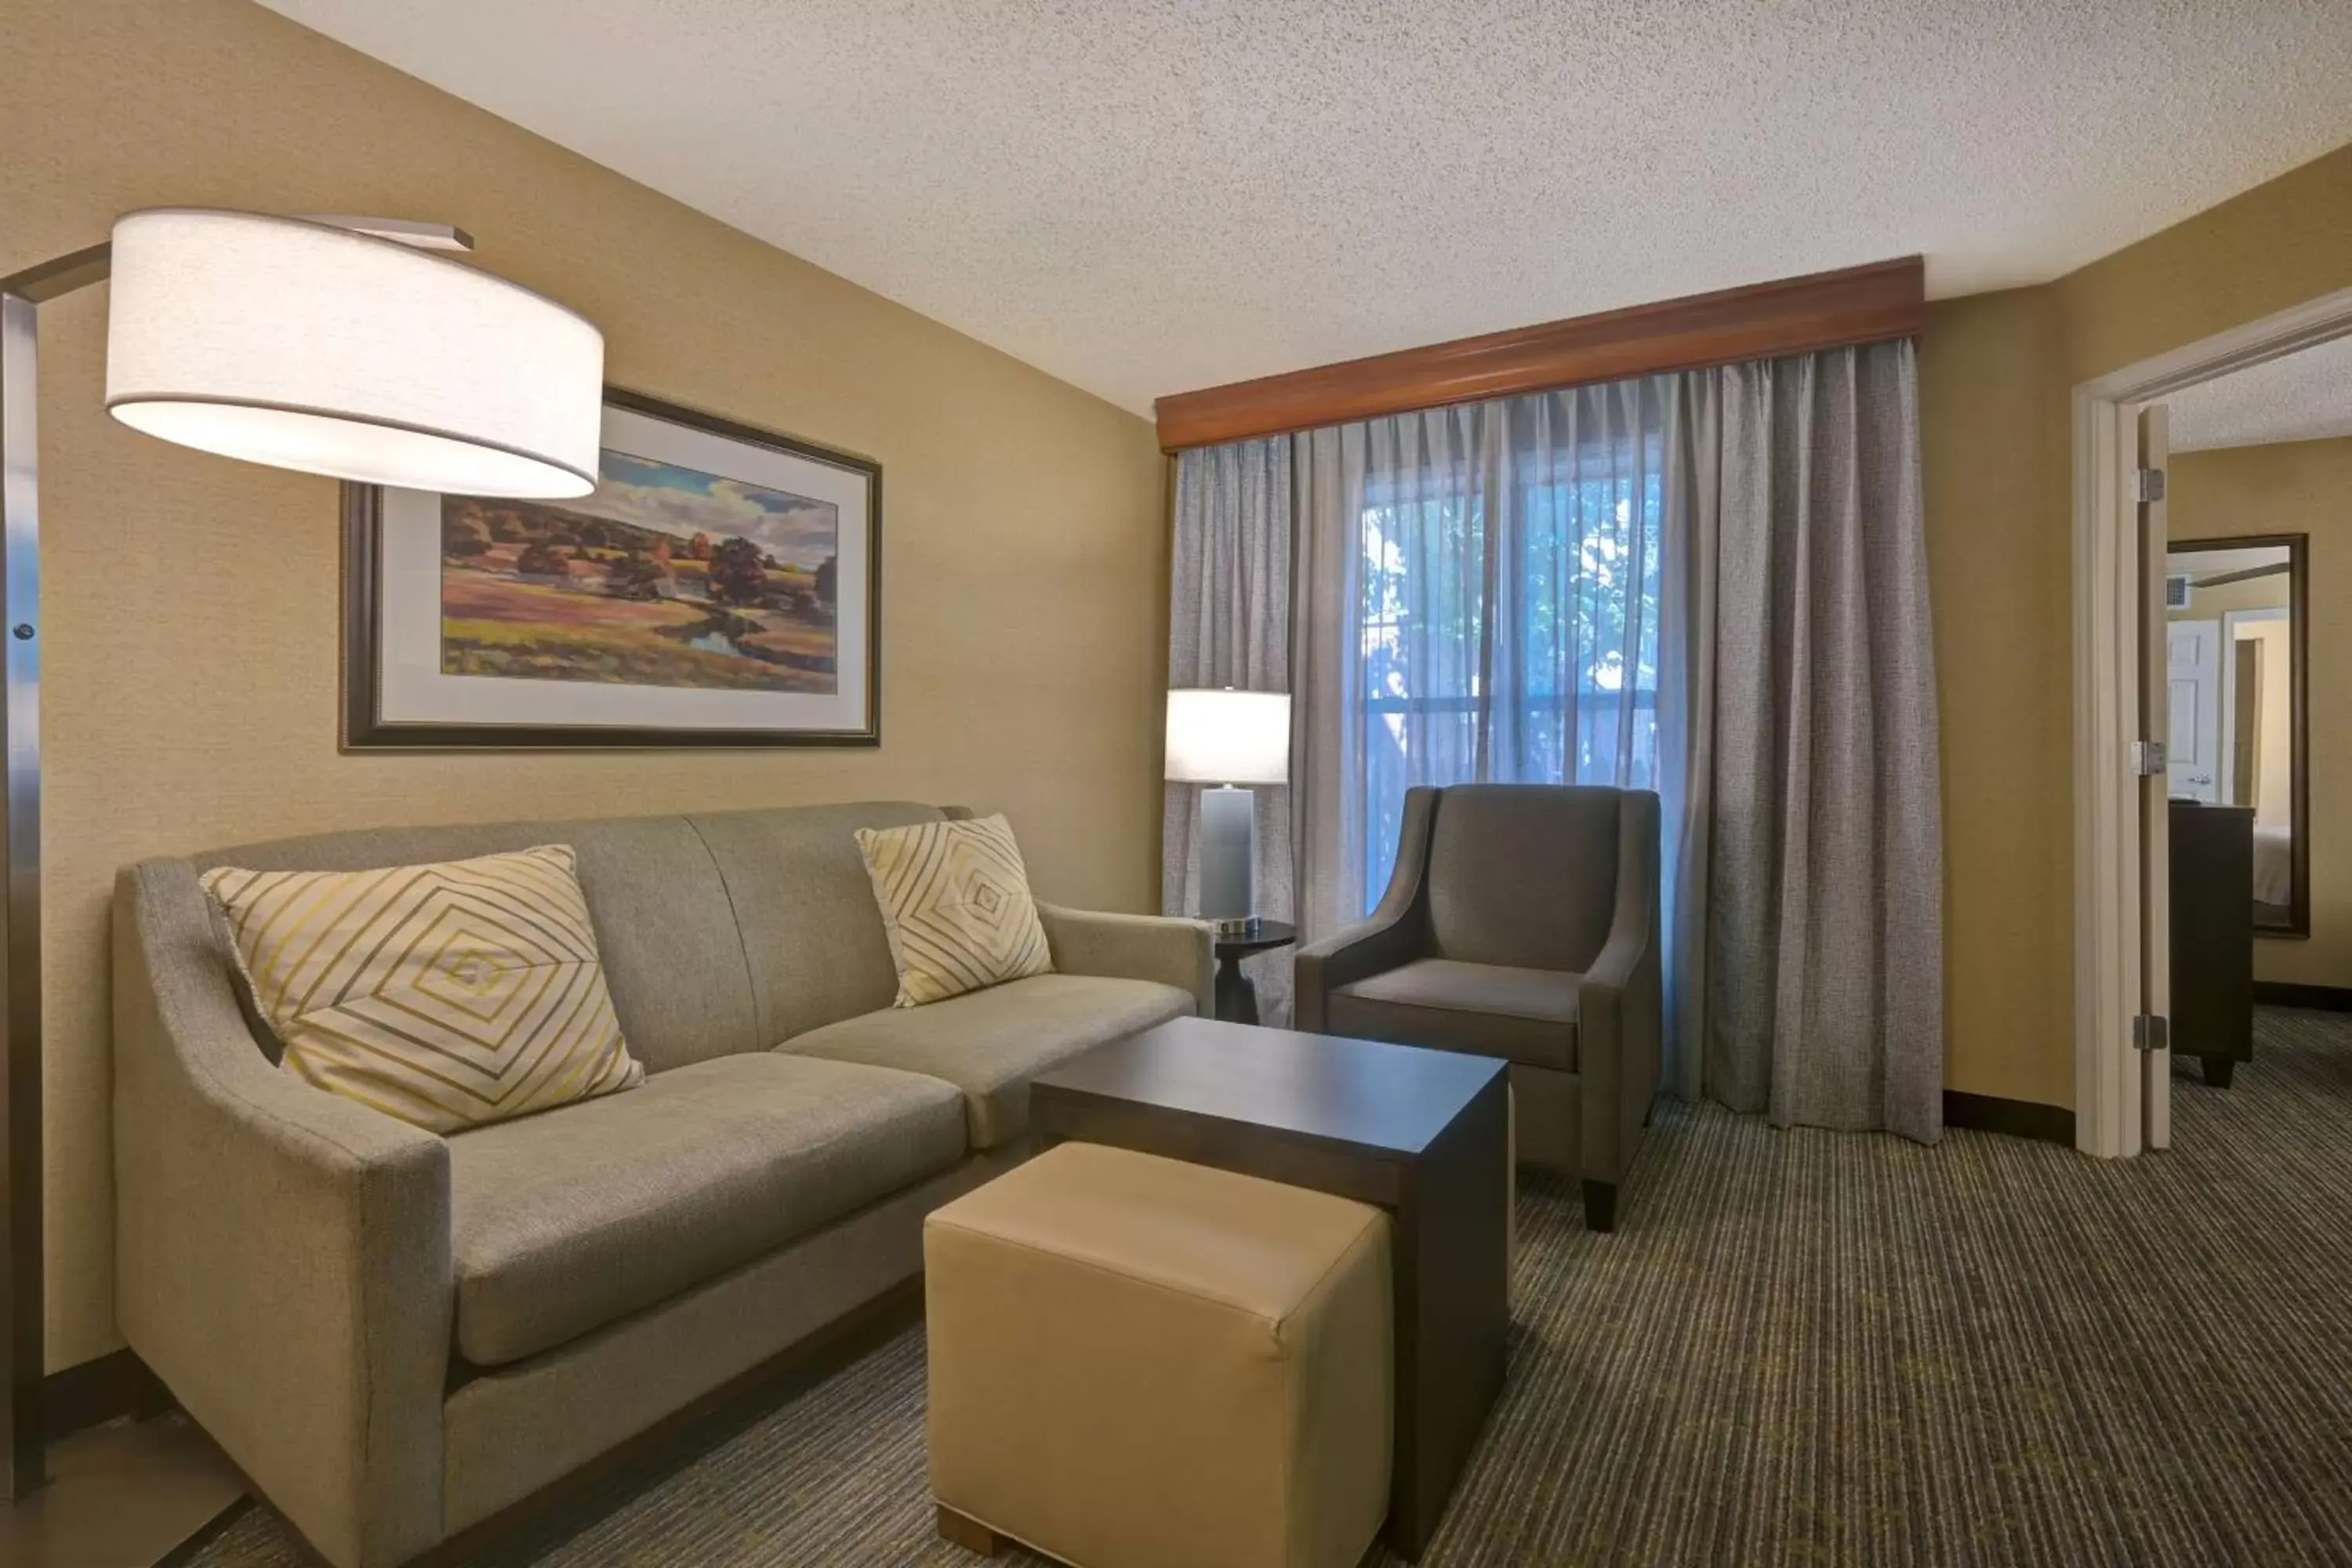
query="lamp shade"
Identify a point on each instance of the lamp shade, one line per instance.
(306, 346)
(1229, 737)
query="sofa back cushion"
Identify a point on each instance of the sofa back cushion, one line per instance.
(813, 935)
(673, 957)
(1523, 875)
(722, 932)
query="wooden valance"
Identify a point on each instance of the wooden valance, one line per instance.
(1792, 315)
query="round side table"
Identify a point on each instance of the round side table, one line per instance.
(1236, 994)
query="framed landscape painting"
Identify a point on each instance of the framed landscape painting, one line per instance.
(720, 587)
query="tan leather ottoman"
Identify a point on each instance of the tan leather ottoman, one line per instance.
(1136, 1363)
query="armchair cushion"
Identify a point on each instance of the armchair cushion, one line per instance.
(1522, 1014)
(564, 1221)
(1524, 874)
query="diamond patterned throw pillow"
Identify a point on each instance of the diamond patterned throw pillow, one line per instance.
(447, 995)
(956, 900)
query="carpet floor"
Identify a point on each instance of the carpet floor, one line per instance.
(1799, 1348)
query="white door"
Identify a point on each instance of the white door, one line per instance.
(2159, 709)
(2192, 747)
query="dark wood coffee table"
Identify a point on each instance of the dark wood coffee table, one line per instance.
(1421, 1133)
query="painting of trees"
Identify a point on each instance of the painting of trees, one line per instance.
(464, 537)
(635, 576)
(737, 575)
(539, 559)
(665, 577)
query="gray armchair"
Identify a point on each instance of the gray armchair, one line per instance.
(1522, 923)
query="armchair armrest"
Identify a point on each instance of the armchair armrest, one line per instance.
(1359, 953)
(283, 1253)
(1178, 953)
(1620, 1005)
(1395, 933)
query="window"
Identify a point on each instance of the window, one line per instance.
(1520, 647)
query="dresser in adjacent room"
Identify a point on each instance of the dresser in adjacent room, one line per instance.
(2212, 1009)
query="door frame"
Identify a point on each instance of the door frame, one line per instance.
(2109, 633)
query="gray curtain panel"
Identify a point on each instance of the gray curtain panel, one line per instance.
(1809, 899)
(1229, 624)
(1713, 584)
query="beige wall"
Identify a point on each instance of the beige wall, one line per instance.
(2271, 645)
(2299, 486)
(1996, 378)
(2280, 244)
(192, 602)
(1998, 574)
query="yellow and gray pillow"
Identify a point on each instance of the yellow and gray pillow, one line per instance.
(955, 898)
(447, 995)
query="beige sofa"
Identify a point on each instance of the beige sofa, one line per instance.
(396, 1334)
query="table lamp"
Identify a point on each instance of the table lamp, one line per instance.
(334, 345)
(1229, 740)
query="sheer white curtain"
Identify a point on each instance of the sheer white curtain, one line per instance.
(1480, 600)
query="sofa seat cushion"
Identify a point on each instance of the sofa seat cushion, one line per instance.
(1520, 1014)
(564, 1221)
(990, 1043)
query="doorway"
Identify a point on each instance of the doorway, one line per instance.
(2125, 705)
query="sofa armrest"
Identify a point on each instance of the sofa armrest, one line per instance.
(1178, 953)
(1621, 1003)
(283, 1253)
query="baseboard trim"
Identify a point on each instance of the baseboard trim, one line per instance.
(2017, 1118)
(2285, 994)
(93, 1392)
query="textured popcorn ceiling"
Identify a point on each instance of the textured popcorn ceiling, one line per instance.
(2304, 396)
(1146, 197)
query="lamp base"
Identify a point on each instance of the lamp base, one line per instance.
(1228, 856)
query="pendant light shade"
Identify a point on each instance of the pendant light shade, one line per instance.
(301, 345)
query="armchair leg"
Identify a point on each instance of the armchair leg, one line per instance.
(1600, 1207)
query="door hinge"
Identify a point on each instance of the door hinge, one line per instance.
(2147, 485)
(2148, 758)
(2151, 1032)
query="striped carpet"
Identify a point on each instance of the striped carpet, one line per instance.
(1799, 1347)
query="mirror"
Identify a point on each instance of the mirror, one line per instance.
(2235, 633)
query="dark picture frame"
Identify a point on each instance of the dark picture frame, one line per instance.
(367, 727)
(2295, 922)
